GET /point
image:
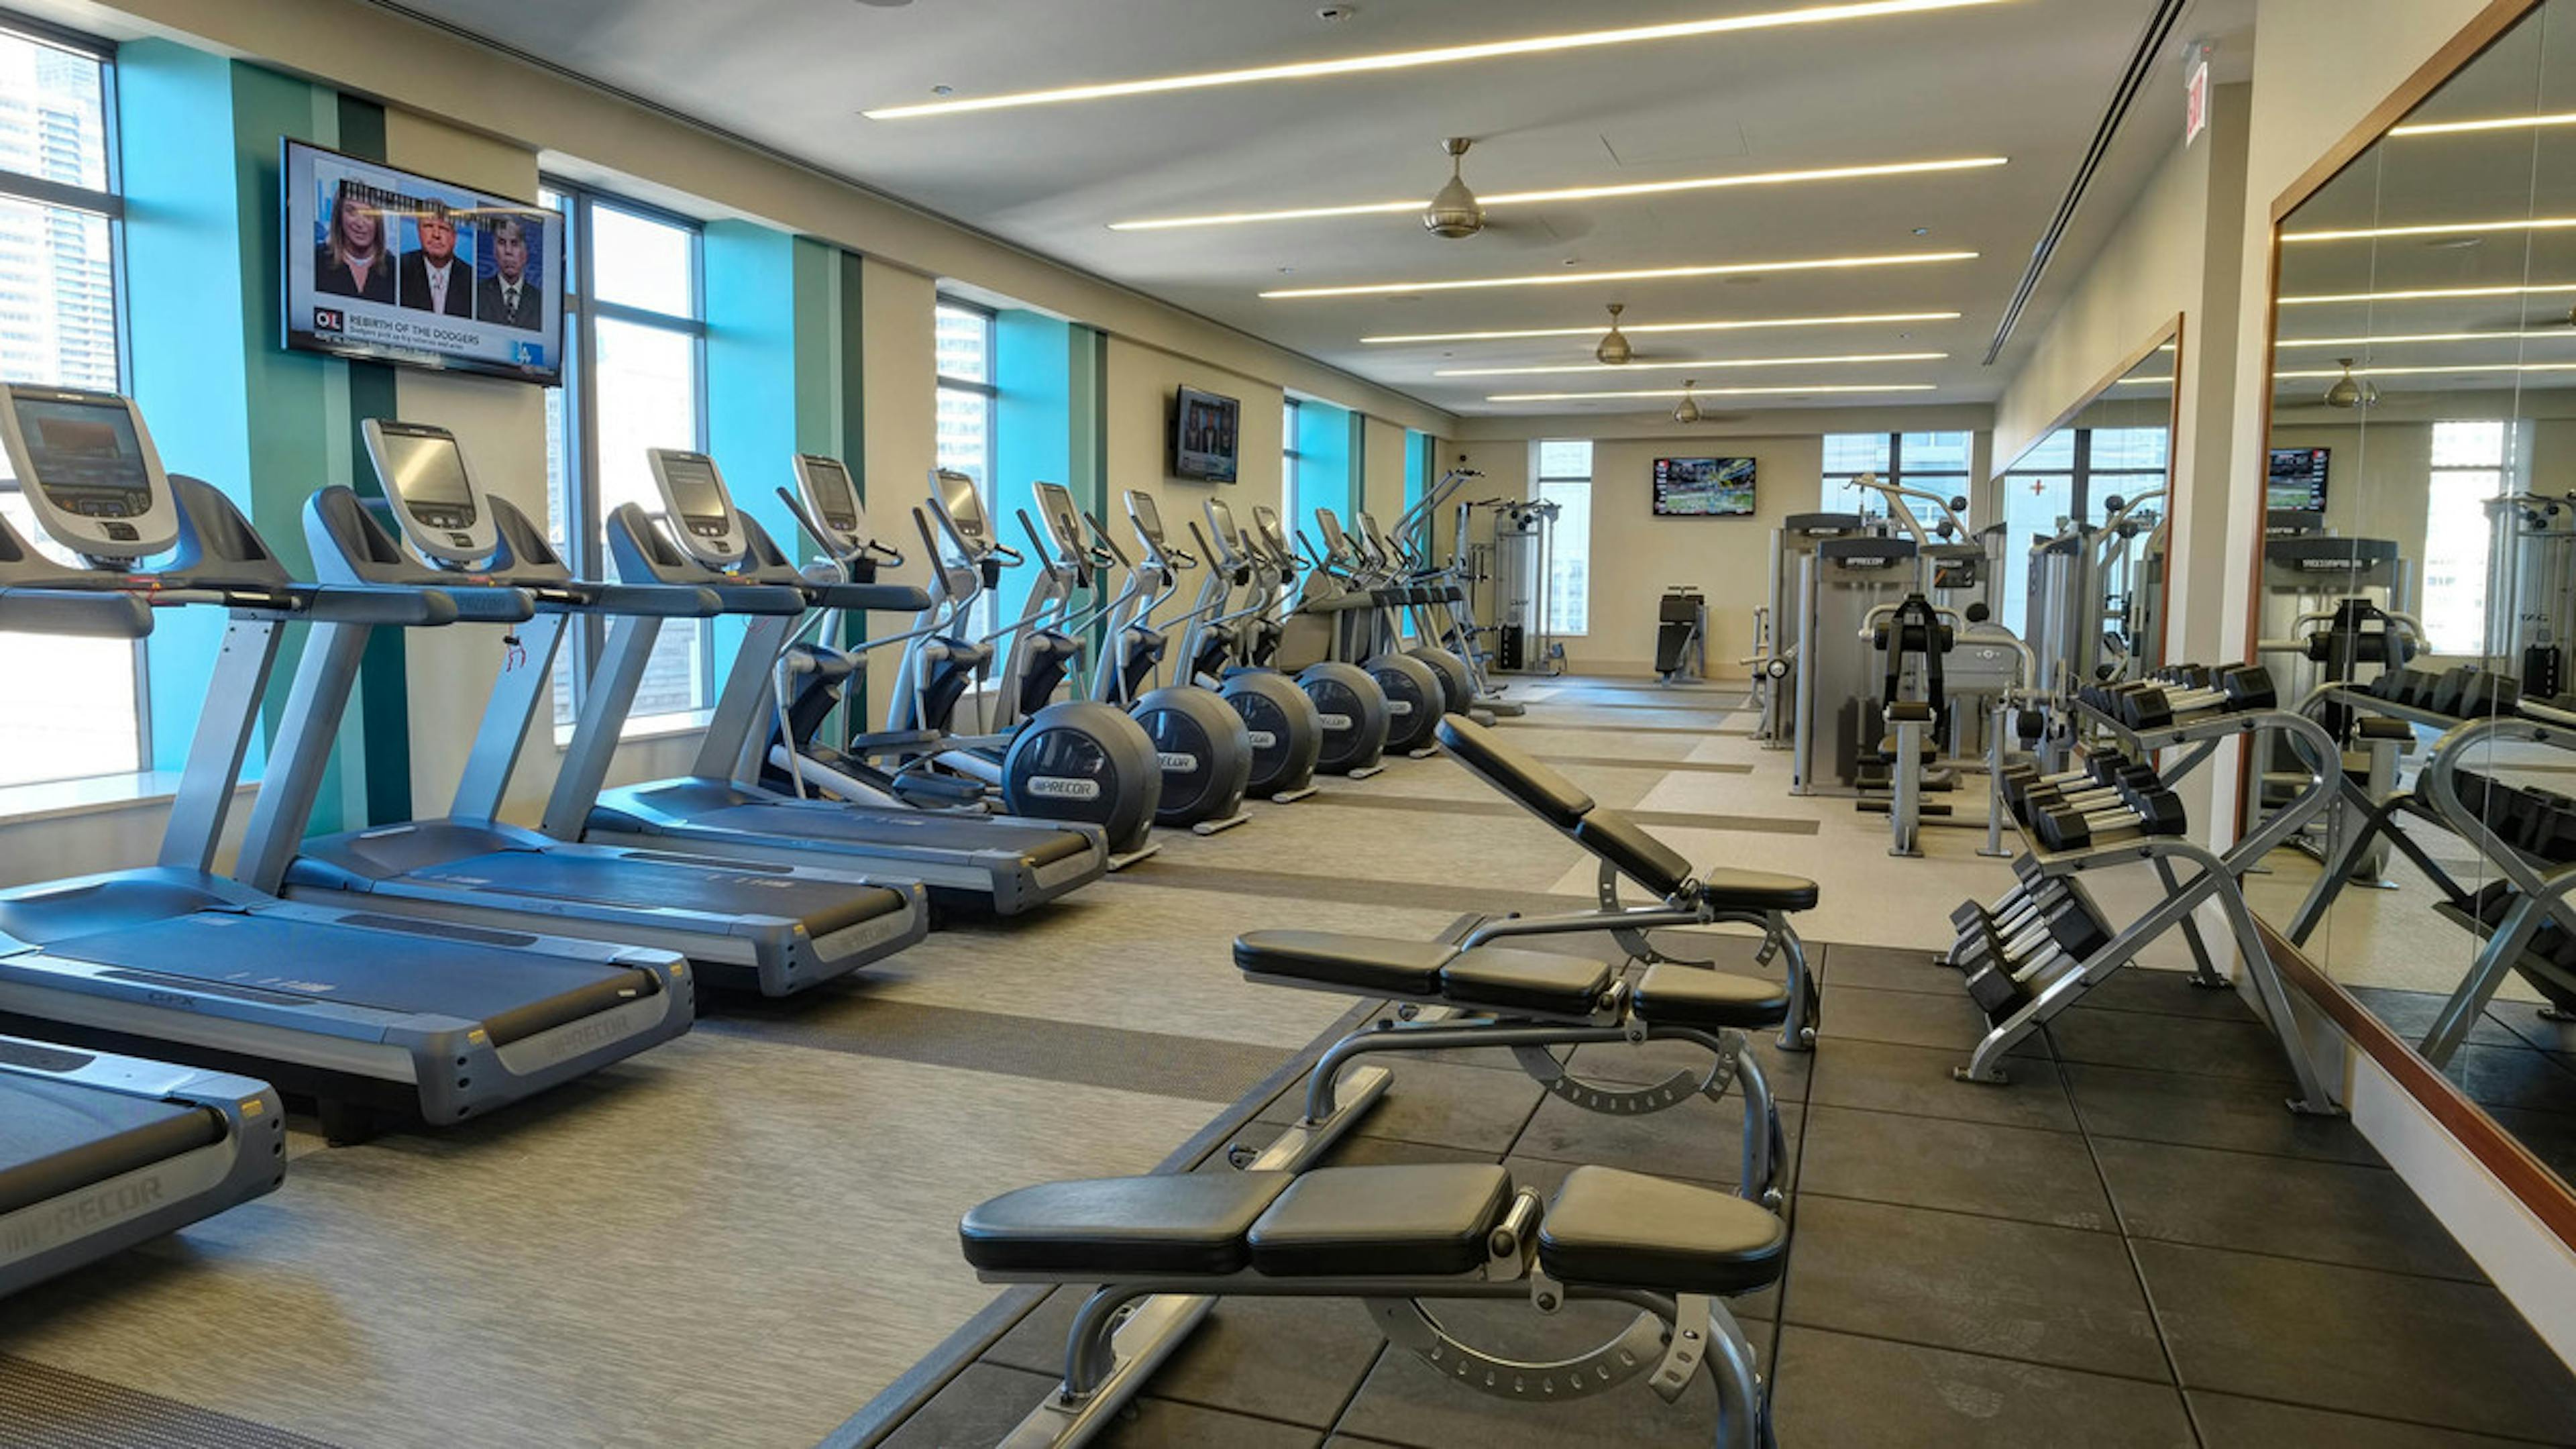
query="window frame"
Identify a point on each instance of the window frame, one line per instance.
(1896, 472)
(1540, 478)
(108, 204)
(2505, 473)
(585, 528)
(988, 603)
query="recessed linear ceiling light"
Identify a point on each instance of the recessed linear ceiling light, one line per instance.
(2547, 334)
(2493, 123)
(1569, 193)
(1439, 55)
(2458, 228)
(1632, 328)
(2429, 294)
(1644, 274)
(2423, 371)
(1665, 392)
(1703, 362)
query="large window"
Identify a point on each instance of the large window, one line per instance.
(1933, 462)
(59, 223)
(964, 341)
(2470, 460)
(2073, 473)
(637, 380)
(1565, 479)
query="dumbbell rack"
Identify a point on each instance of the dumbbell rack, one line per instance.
(2539, 888)
(2053, 978)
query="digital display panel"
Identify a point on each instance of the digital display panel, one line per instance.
(86, 456)
(1205, 430)
(427, 472)
(697, 495)
(835, 497)
(2297, 479)
(384, 264)
(965, 506)
(1703, 487)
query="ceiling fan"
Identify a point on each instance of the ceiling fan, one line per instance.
(1454, 212)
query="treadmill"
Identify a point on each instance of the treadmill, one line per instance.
(98, 1153)
(771, 925)
(989, 863)
(369, 1014)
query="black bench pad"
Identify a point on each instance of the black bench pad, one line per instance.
(1626, 844)
(1335, 958)
(1174, 1223)
(1624, 1230)
(1693, 996)
(1377, 1221)
(1499, 979)
(1757, 890)
(1554, 798)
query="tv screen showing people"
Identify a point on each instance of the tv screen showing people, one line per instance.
(2298, 479)
(1205, 434)
(384, 264)
(1703, 487)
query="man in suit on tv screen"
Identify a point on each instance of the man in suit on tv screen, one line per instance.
(510, 296)
(432, 278)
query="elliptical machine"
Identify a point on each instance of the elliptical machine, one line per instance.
(1342, 594)
(1071, 760)
(1205, 747)
(1286, 724)
(1406, 588)
(1349, 705)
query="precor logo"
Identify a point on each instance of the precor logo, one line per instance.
(1399, 706)
(1263, 739)
(1179, 764)
(1335, 721)
(1064, 787)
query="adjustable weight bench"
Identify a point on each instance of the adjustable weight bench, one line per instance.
(1530, 1001)
(1627, 849)
(1402, 1239)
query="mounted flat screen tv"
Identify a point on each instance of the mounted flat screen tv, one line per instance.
(2298, 479)
(386, 265)
(1206, 429)
(1703, 488)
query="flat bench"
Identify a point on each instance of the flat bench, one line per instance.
(1631, 852)
(1530, 1002)
(1398, 1237)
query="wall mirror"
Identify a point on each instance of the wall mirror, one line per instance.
(2084, 509)
(2417, 592)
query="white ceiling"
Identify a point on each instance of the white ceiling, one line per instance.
(2027, 79)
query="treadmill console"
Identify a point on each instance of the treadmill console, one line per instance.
(832, 500)
(86, 467)
(700, 510)
(435, 501)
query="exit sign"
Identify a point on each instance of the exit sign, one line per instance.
(2195, 107)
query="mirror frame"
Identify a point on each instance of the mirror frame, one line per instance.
(2541, 1191)
(2169, 333)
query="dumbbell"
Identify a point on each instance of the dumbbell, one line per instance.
(1997, 968)
(2128, 780)
(2020, 778)
(2235, 689)
(2018, 906)
(2405, 686)
(2140, 814)
(2058, 916)
(2468, 692)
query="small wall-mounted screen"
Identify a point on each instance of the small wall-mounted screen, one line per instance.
(384, 264)
(1205, 435)
(2298, 479)
(1703, 487)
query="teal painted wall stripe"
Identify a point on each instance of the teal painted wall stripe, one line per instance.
(1032, 431)
(383, 704)
(752, 390)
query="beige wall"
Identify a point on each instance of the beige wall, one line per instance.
(899, 394)
(1382, 470)
(591, 134)
(1138, 398)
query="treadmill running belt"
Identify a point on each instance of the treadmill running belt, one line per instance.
(59, 1137)
(512, 994)
(643, 883)
(790, 821)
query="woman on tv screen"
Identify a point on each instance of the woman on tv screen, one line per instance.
(352, 260)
